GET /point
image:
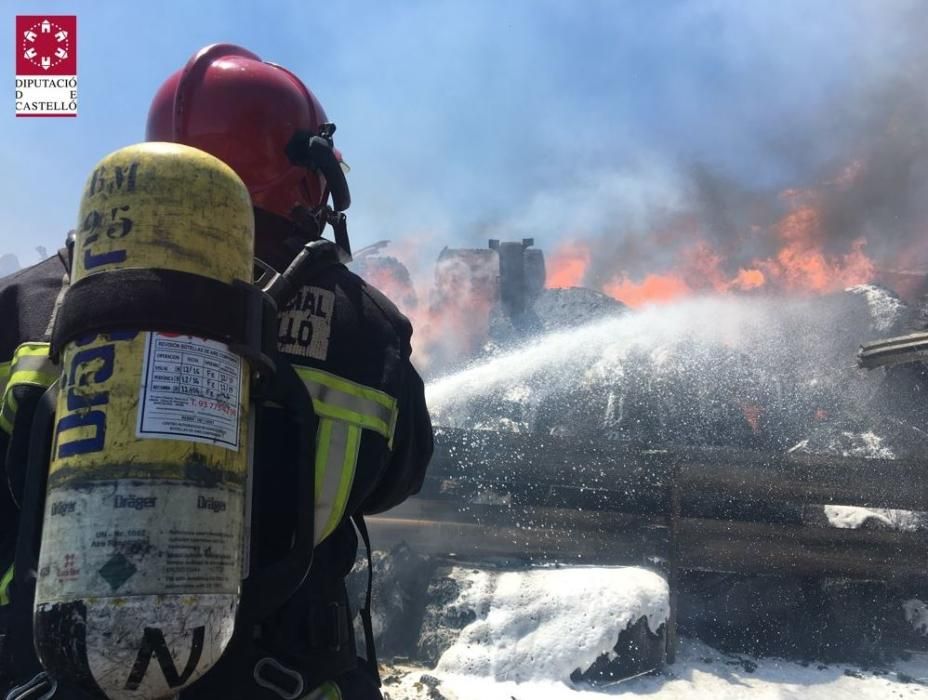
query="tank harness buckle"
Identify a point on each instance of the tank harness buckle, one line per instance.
(278, 673)
(41, 687)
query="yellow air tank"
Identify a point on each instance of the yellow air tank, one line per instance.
(142, 545)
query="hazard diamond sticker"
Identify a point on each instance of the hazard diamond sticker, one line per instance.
(117, 570)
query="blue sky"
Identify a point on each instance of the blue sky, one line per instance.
(469, 118)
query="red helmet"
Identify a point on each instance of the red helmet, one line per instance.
(258, 118)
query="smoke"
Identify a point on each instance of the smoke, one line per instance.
(502, 109)
(752, 372)
(850, 202)
(449, 302)
(631, 126)
(719, 147)
(653, 152)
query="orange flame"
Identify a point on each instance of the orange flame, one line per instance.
(752, 414)
(452, 321)
(653, 289)
(801, 263)
(567, 266)
(749, 279)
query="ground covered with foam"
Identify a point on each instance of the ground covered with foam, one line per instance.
(700, 673)
(526, 635)
(771, 375)
(546, 623)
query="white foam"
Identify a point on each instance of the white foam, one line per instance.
(854, 517)
(916, 614)
(698, 347)
(545, 623)
(564, 352)
(700, 673)
(885, 307)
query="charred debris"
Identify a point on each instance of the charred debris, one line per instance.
(781, 491)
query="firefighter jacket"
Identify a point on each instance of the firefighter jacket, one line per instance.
(351, 347)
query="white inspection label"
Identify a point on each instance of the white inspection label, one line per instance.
(191, 390)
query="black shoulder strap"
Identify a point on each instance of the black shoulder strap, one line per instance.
(21, 655)
(365, 612)
(64, 254)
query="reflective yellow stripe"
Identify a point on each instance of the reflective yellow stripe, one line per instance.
(30, 366)
(323, 440)
(336, 460)
(341, 399)
(5, 586)
(31, 349)
(348, 387)
(331, 449)
(4, 375)
(340, 414)
(345, 408)
(32, 359)
(8, 412)
(327, 476)
(349, 453)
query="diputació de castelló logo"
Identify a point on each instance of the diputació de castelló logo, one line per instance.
(46, 65)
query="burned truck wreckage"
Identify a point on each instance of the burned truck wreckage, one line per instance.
(745, 449)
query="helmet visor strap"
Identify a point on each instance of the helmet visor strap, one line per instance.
(317, 154)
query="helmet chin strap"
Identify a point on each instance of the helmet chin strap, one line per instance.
(312, 222)
(316, 152)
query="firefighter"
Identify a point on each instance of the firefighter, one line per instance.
(347, 342)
